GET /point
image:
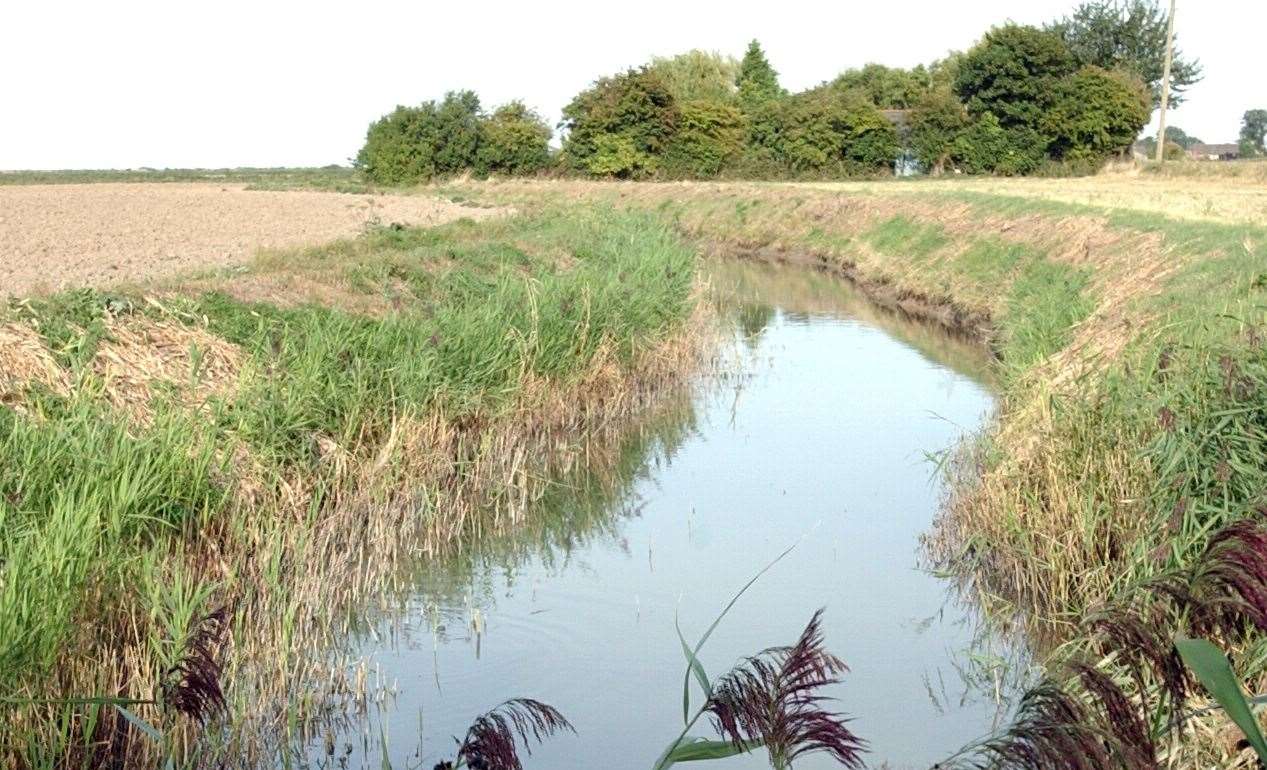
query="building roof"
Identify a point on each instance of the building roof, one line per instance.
(1214, 149)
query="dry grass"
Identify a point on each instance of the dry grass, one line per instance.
(1210, 193)
(26, 361)
(142, 359)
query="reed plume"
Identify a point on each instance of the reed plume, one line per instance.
(192, 686)
(773, 698)
(492, 741)
(1085, 719)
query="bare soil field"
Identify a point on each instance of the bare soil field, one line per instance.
(59, 236)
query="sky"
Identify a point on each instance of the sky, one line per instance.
(221, 84)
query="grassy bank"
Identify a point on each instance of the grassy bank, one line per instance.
(231, 461)
(1132, 364)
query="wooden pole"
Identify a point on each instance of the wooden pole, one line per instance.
(1165, 85)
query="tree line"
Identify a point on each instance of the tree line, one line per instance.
(1063, 97)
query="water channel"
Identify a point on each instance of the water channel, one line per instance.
(818, 432)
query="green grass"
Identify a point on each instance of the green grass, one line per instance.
(904, 237)
(102, 519)
(331, 178)
(1044, 303)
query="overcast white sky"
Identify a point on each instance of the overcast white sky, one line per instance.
(213, 84)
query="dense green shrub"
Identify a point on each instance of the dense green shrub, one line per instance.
(620, 125)
(936, 123)
(709, 136)
(1014, 73)
(414, 144)
(618, 155)
(988, 147)
(457, 132)
(513, 140)
(824, 129)
(396, 149)
(1098, 113)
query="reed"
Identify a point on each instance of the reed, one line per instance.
(257, 440)
(1119, 694)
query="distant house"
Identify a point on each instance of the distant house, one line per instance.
(905, 164)
(1214, 152)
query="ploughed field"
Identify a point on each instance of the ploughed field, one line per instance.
(67, 235)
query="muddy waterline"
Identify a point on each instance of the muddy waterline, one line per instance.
(819, 434)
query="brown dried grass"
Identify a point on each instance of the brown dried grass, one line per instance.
(143, 358)
(25, 361)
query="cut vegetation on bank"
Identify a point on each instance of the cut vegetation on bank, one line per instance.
(207, 467)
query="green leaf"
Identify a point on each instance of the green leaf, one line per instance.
(1211, 667)
(141, 724)
(695, 749)
(693, 655)
(694, 666)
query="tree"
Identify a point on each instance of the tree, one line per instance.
(396, 150)
(988, 147)
(886, 87)
(1013, 74)
(1128, 35)
(1176, 137)
(413, 144)
(1180, 137)
(514, 140)
(757, 82)
(1253, 130)
(698, 76)
(942, 72)
(1098, 113)
(620, 125)
(457, 132)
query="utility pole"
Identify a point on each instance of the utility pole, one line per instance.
(1165, 85)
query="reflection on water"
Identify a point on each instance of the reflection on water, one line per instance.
(818, 434)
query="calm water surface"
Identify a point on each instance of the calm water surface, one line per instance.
(819, 434)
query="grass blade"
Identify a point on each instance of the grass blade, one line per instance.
(693, 666)
(1211, 667)
(695, 749)
(141, 724)
(692, 655)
